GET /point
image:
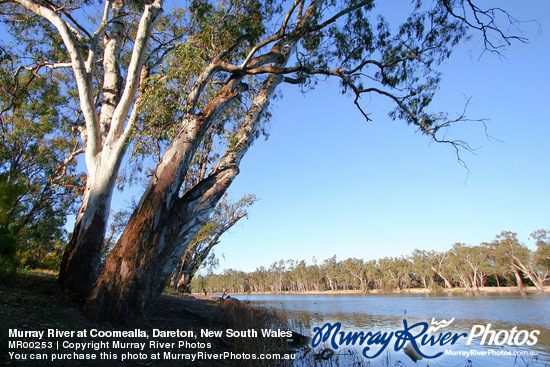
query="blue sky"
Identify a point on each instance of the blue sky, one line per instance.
(331, 183)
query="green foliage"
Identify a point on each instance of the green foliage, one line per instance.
(164, 100)
(8, 245)
(542, 254)
(32, 35)
(346, 38)
(36, 188)
(8, 241)
(234, 19)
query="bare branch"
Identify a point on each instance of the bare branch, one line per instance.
(484, 21)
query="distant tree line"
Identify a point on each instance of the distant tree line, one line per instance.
(504, 262)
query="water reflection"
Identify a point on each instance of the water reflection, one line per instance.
(386, 312)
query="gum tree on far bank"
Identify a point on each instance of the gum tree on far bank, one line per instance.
(215, 66)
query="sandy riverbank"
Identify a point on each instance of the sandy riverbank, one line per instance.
(524, 290)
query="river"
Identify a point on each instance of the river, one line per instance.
(527, 313)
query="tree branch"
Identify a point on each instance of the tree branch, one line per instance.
(150, 15)
(277, 36)
(94, 40)
(487, 26)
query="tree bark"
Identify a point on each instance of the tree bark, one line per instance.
(176, 276)
(188, 269)
(81, 260)
(184, 284)
(519, 265)
(147, 251)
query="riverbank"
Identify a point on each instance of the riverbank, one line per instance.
(457, 290)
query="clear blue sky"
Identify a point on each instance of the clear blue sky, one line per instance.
(331, 183)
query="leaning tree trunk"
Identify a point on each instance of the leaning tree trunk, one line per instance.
(537, 281)
(141, 262)
(143, 259)
(186, 271)
(176, 276)
(519, 281)
(155, 238)
(191, 265)
(136, 264)
(448, 284)
(184, 283)
(181, 279)
(191, 262)
(163, 224)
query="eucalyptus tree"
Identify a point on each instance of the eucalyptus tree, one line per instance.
(372, 272)
(480, 262)
(259, 280)
(460, 269)
(542, 255)
(495, 266)
(300, 275)
(511, 255)
(470, 264)
(355, 268)
(395, 272)
(421, 267)
(403, 270)
(96, 60)
(519, 258)
(276, 273)
(331, 272)
(439, 262)
(219, 63)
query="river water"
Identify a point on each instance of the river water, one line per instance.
(387, 312)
